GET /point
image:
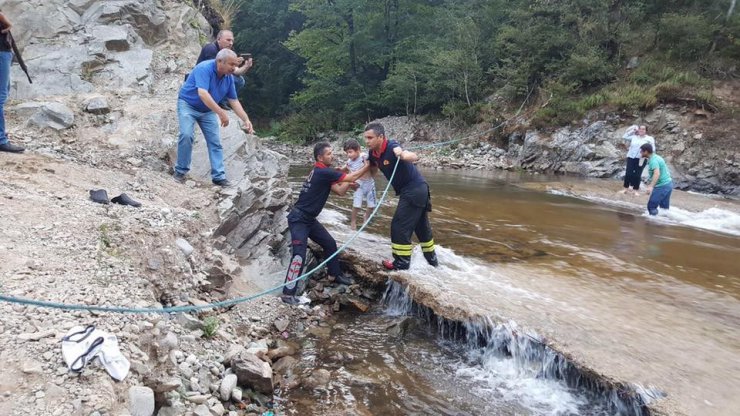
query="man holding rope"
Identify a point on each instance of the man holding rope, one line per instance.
(414, 204)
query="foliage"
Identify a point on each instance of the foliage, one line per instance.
(227, 9)
(210, 326)
(333, 64)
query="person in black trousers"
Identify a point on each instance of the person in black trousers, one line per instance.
(302, 218)
(636, 136)
(414, 204)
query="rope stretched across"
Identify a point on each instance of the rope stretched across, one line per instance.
(234, 301)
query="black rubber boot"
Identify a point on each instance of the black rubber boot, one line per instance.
(431, 258)
(124, 199)
(99, 196)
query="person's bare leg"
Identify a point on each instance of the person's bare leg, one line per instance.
(353, 222)
(368, 211)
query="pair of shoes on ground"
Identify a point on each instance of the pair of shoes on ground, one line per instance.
(101, 197)
(181, 178)
(11, 148)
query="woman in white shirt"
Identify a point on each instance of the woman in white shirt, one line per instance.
(636, 137)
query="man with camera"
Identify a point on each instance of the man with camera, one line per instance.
(225, 40)
(210, 82)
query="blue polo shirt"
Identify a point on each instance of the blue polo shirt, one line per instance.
(316, 189)
(406, 175)
(204, 76)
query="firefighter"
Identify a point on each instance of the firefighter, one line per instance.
(414, 204)
(302, 218)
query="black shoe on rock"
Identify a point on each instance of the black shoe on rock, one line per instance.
(224, 183)
(124, 199)
(179, 177)
(11, 148)
(99, 196)
(290, 300)
(343, 280)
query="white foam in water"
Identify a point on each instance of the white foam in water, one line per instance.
(713, 219)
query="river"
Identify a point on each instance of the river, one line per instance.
(644, 302)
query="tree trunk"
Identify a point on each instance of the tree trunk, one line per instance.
(731, 9)
(352, 53)
(465, 82)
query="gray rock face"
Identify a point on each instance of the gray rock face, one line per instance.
(46, 115)
(140, 401)
(251, 372)
(73, 46)
(145, 16)
(253, 212)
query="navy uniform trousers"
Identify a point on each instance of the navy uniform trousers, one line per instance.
(302, 227)
(412, 217)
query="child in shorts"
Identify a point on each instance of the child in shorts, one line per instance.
(366, 189)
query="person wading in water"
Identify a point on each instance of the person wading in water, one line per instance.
(414, 204)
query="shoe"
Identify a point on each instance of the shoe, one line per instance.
(11, 148)
(432, 260)
(179, 177)
(124, 199)
(224, 183)
(343, 280)
(99, 196)
(389, 265)
(290, 300)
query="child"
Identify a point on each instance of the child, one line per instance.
(366, 189)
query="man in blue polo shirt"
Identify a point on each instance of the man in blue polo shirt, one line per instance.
(225, 40)
(208, 83)
(414, 204)
(302, 218)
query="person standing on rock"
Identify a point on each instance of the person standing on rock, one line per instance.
(302, 218)
(6, 57)
(636, 136)
(414, 204)
(208, 83)
(225, 40)
(660, 184)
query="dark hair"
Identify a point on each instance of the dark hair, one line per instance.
(319, 149)
(377, 128)
(647, 147)
(351, 144)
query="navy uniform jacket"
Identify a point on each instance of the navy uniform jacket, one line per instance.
(406, 175)
(316, 189)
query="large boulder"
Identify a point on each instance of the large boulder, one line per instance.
(145, 16)
(253, 212)
(253, 373)
(46, 114)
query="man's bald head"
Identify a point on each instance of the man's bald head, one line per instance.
(225, 39)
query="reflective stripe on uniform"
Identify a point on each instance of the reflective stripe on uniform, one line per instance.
(402, 252)
(427, 246)
(402, 246)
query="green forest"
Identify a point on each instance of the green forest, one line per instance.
(335, 64)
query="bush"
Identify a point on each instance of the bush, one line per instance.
(588, 68)
(462, 113)
(304, 127)
(631, 97)
(685, 37)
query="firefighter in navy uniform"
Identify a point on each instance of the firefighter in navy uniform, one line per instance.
(302, 218)
(414, 204)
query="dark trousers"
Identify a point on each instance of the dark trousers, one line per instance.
(633, 173)
(660, 197)
(302, 227)
(412, 217)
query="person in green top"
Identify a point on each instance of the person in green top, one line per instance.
(660, 184)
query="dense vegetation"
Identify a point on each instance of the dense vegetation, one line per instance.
(334, 64)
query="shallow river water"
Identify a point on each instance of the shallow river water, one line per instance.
(645, 302)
